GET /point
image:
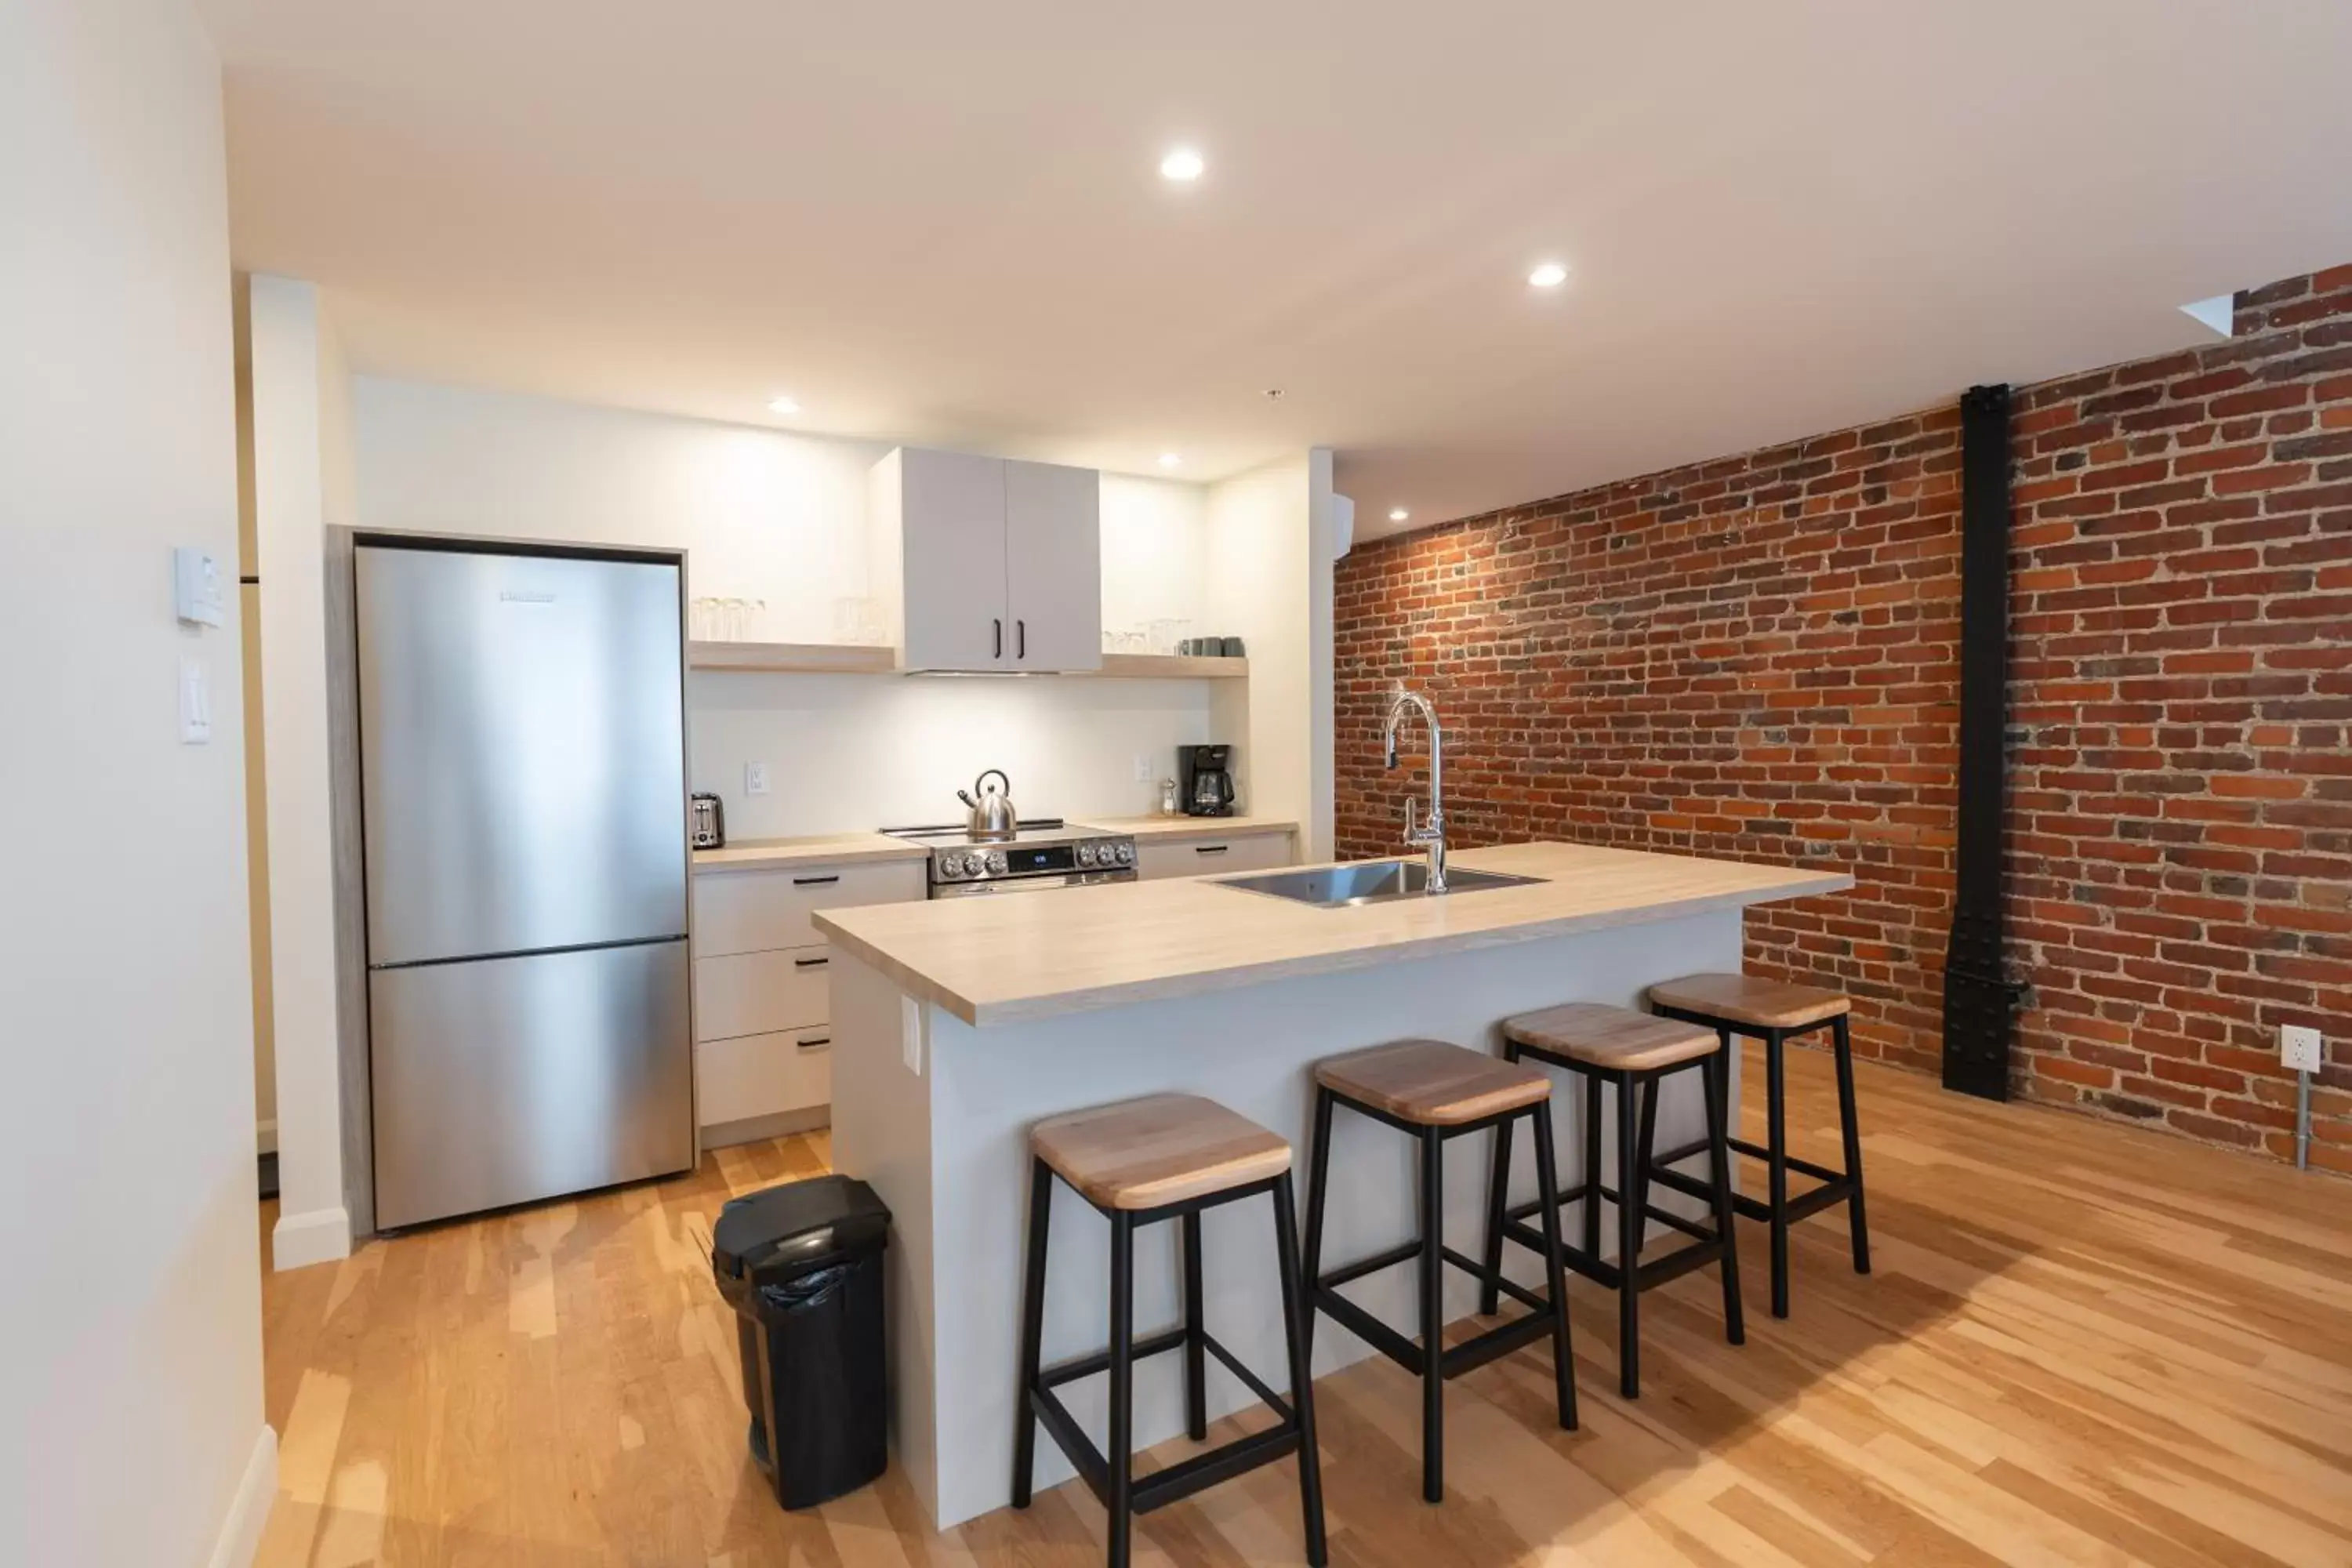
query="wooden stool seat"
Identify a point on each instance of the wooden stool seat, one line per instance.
(1616, 1037)
(1160, 1150)
(1747, 999)
(1430, 1083)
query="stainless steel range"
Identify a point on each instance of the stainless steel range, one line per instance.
(1046, 852)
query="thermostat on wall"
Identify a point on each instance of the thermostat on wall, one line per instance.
(196, 580)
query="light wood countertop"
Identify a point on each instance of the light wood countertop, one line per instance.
(1169, 829)
(1003, 960)
(816, 849)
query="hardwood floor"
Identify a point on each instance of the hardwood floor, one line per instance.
(2081, 1344)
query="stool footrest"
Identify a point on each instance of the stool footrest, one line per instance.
(1654, 1271)
(1408, 1353)
(1348, 1273)
(1804, 1167)
(1521, 1233)
(1071, 1370)
(1176, 1482)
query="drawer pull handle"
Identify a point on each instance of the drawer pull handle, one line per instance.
(1210, 848)
(814, 1041)
(811, 963)
(814, 881)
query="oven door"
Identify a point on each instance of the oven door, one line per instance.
(1031, 884)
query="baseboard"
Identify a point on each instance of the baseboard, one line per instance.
(757, 1129)
(249, 1512)
(321, 1236)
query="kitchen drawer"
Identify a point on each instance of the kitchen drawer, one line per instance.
(761, 1075)
(761, 993)
(758, 912)
(1203, 857)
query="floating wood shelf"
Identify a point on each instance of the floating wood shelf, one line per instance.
(1171, 667)
(854, 658)
(793, 658)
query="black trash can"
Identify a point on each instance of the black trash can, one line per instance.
(802, 1264)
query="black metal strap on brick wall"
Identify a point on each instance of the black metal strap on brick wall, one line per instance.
(1979, 1000)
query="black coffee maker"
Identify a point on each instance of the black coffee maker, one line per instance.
(1205, 780)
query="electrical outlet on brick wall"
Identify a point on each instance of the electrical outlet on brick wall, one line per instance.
(2299, 1047)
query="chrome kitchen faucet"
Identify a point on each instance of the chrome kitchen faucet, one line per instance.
(1430, 834)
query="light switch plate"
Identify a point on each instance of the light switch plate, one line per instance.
(755, 778)
(2299, 1047)
(198, 592)
(1142, 767)
(196, 704)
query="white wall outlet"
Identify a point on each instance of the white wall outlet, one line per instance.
(2299, 1047)
(910, 1034)
(198, 592)
(196, 704)
(755, 778)
(1143, 767)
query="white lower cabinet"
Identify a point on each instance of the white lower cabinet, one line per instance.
(1258, 851)
(764, 1075)
(762, 996)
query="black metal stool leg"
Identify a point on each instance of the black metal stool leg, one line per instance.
(1319, 1167)
(1555, 1268)
(1196, 1352)
(1629, 1244)
(1032, 1327)
(1498, 1189)
(1647, 1148)
(1850, 1124)
(1716, 1075)
(1118, 1442)
(1587, 1090)
(1776, 1113)
(1432, 1316)
(1295, 1311)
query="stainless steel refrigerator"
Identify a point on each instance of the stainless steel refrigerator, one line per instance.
(522, 729)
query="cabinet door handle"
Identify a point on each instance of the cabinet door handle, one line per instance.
(813, 1042)
(1210, 848)
(1021, 639)
(999, 625)
(811, 963)
(814, 881)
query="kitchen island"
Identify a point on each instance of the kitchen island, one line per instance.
(958, 1022)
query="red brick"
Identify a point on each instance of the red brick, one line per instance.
(1755, 657)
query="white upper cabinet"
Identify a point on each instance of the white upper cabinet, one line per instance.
(1053, 565)
(981, 563)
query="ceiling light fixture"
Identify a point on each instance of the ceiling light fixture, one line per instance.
(1398, 514)
(1550, 274)
(1181, 164)
(1169, 459)
(782, 405)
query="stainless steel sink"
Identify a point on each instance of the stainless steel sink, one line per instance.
(1368, 882)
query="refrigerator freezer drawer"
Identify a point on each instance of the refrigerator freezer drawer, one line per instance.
(506, 1080)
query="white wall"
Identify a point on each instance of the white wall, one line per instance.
(849, 753)
(130, 1400)
(1269, 576)
(301, 484)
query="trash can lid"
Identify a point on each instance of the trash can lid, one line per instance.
(800, 1225)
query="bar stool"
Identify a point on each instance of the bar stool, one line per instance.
(1636, 1052)
(1774, 1012)
(1437, 1091)
(1167, 1156)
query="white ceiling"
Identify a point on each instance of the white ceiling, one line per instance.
(943, 222)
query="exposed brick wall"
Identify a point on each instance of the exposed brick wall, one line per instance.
(1758, 658)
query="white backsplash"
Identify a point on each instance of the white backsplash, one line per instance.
(851, 752)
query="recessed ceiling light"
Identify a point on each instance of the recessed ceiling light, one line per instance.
(1398, 514)
(782, 405)
(1169, 459)
(1182, 164)
(1550, 274)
